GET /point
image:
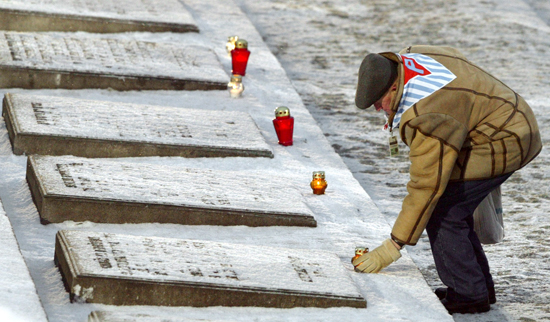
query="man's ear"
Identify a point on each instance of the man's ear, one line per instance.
(394, 86)
(393, 91)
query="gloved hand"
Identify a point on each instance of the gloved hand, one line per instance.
(380, 257)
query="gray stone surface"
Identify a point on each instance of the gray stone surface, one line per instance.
(112, 191)
(96, 15)
(65, 126)
(76, 61)
(121, 269)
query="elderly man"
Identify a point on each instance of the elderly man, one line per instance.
(467, 133)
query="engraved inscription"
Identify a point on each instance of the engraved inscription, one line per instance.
(71, 50)
(42, 115)
(174, 185)
(68, 180)
(218, 268)
(104, 123)
(100, 252)
(113, 56)
(153, 259)
(148, 125)
(304, 270)
(87, 184)
(121, 7)
(206, 265)
(120, 258)
(300, 270)
(207, 188)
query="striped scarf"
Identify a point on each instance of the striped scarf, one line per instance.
(423, 77)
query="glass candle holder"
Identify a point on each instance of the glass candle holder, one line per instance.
(235, 86)
(359, 251)
(230, 45)
(284, 125)
(239, 57)
(318, 184)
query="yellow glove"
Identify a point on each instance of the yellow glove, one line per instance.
(380, 257)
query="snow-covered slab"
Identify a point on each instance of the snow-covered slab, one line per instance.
(76, 61)
(66, 126)
(114, 316)
(18, 298)
(96, 16)
(134, 270)
(111, 191)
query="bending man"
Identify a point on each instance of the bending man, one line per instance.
(467, 133)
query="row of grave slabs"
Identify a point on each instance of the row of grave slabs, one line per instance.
(67, 140)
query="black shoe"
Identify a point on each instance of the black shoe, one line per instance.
(466, 307)
(441, 293)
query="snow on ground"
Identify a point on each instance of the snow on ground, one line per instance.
(16, 285)
(346, 215)
(321, 44)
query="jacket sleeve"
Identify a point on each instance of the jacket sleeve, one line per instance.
(434, 140)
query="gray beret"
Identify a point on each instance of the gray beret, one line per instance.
(376, 75)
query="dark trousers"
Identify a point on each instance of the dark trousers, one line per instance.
(459, 258)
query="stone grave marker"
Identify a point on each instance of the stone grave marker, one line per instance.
(112, 191)
(76, 61)
(118, 269)
(97, 16)
(67, 126)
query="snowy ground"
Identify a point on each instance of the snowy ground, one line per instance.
(346, 215)
(321, 44)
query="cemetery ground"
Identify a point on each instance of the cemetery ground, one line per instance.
(319, 45)
(265, 270)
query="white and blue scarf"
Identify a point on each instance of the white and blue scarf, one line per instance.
(423, 76)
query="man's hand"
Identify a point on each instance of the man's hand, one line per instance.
(380, 257)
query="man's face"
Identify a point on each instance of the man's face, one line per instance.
(384, 103)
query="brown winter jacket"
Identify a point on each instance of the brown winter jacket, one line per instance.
(474, 128)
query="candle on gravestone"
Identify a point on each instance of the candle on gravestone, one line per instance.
(239, 57)
(230, 45)
(284, 125)
(235, 86)
(318, 184)
(359, 251)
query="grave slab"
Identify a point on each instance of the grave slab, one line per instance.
(65, 126)
(77, 61)
(98, 16)
(121, 269)
(112, 191)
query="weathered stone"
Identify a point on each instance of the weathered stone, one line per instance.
(112, 191)
(76, 61)
(101, 16)
(65, 126)
(133, 270)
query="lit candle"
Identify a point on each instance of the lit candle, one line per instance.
(359, 251)
(235, 86)
(318, 184)
(230, 45)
